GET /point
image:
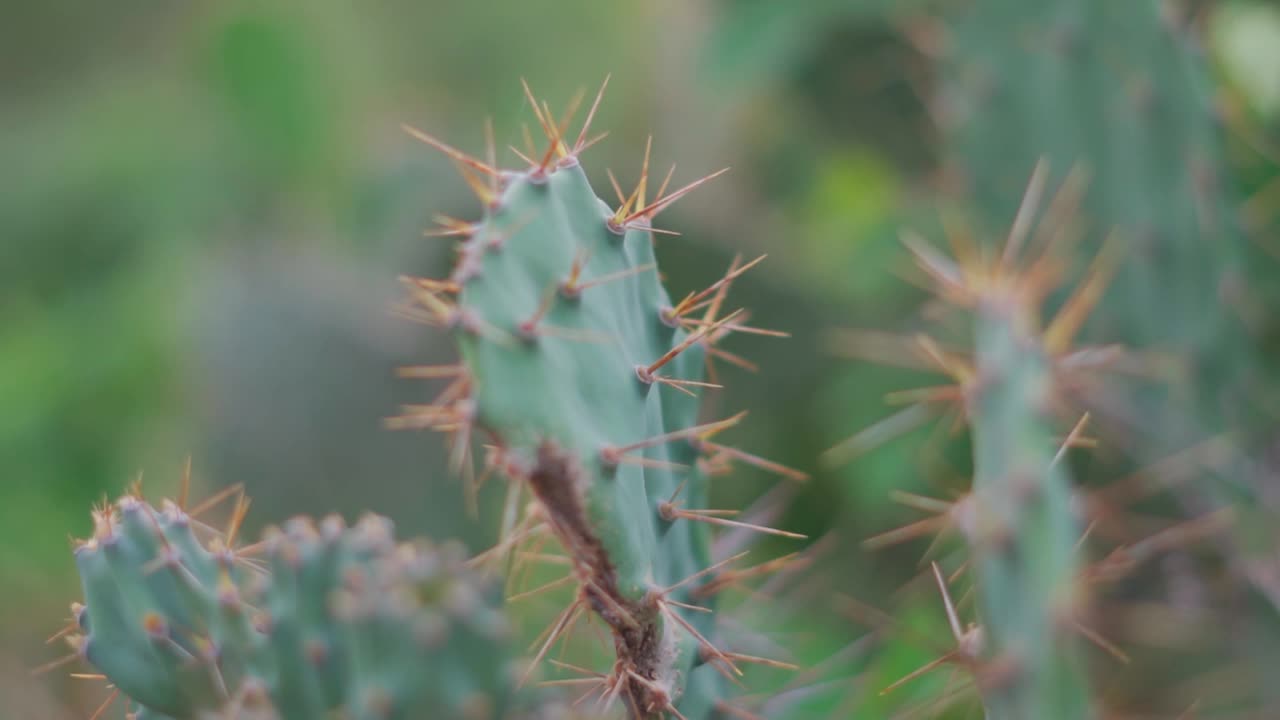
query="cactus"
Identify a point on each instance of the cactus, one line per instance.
(584, 374)
(1118, 90)
(1020, 519)
(312, 620)
(1025, 529)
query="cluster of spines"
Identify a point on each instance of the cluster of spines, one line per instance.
(554, 288)
(313, 619)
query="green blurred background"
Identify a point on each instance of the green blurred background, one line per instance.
(209, 203)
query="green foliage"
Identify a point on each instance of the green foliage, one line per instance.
(188, 626)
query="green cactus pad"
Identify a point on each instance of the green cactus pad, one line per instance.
(582, 372)
(1021, 520)
(312, 621)
(1025, 530)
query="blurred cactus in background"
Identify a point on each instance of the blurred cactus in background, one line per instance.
(1122, 94)
(1115, 108)
(1022, 517)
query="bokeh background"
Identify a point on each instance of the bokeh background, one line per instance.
(207, 205)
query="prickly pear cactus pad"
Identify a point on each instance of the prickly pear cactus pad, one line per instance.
(1022, 519)
(583, 376)
(1121, 93)
(312, 620)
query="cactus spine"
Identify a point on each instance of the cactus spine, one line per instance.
(584, 373)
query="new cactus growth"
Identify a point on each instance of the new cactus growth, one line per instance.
(584, 376)
(313, 620)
